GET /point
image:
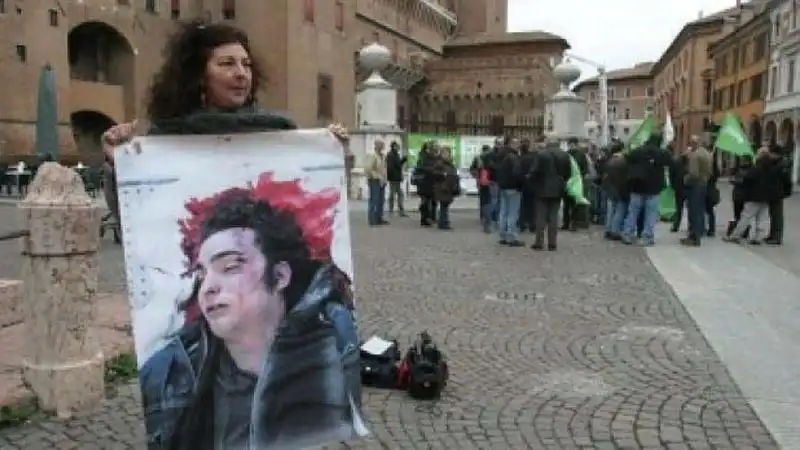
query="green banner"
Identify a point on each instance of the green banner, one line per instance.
(415, 141)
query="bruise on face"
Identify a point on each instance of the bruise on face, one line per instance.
(233, 292)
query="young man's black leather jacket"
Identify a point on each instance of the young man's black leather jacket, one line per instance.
(313, 362)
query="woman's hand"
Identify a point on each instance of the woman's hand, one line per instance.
(340, 131)
(118, 135)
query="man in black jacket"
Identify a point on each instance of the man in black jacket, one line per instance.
(783, 166)
(493, 159)
(547, 176)
(510, 180)
(645, 180)
(423, 179)
(527, 216)
(615, 184)
(395, 163)
(677, 171)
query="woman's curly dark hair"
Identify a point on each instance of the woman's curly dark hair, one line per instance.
(177, 89)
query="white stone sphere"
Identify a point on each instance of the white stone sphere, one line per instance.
(374, 57)
(566, 72)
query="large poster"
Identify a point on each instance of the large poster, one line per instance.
(239, 267)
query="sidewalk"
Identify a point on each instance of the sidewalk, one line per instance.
(787, 256)
(747, 308)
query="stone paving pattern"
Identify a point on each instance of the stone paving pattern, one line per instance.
(586, 348)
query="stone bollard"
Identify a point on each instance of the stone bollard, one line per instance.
(62, 362)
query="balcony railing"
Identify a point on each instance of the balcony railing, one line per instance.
(440, 10)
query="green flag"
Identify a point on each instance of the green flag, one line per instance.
(732, 139)
(575, 183)
(666, 204)
(642, 134)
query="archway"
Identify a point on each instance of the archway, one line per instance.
(87, 129)
(755, 131)
(786, 134)
(99, 53)
(771, 132)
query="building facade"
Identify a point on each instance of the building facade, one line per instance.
(104, 53)
(489, 84)
(684, 75)
(782, 110)
(630, 100)
(741, 59)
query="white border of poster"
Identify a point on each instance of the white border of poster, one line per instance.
(239, 267)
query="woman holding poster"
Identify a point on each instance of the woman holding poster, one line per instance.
(266, 356)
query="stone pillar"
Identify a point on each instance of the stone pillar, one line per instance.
(62, 360)
(377, 113)
(567, 112)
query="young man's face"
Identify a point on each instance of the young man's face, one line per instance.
(233, 296)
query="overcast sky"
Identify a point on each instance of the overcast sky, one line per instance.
(617, 33)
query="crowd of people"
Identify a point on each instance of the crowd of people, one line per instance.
(522, 186)
(435, 176)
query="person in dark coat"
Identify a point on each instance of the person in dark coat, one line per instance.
(395, 164)
(783, 158)
(615, 185)
(645, 181)
(446, 186)
(527, 216)
(547, 177)
(493, 160)
(759, 186)
(510, 180)
(423, 179)
(677, 171)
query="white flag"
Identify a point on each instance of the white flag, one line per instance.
(669, 131)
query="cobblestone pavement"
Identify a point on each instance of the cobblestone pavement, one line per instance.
(585, 348)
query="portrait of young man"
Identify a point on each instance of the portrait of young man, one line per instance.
(268, 354)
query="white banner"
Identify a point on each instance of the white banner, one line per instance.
(234, 246)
